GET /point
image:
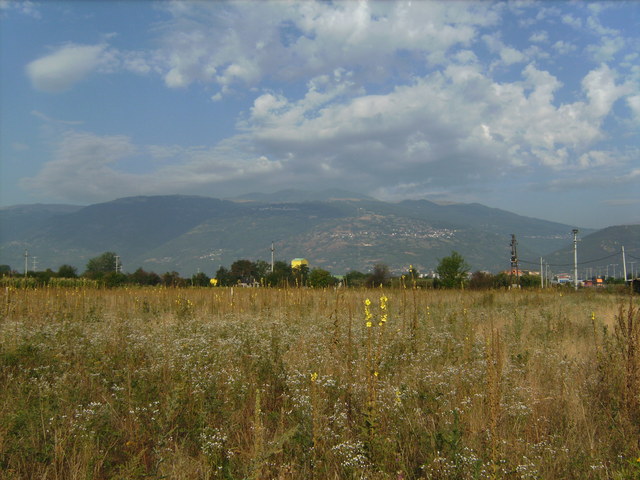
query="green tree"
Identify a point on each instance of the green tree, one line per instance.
(452, 271)
(5, 270)
(224, 277)
(200, 279)
(319, 278)
(262, 269)
(142, 277)
(481, 281)
(114, 279)
(173, 279)
(355, 278)
(67, 271)
(243, 271)
(529, 281)
(281, 275)
(300, 275)
(379, 276)
(97, 267)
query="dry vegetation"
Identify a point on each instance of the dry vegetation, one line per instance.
(294, 384)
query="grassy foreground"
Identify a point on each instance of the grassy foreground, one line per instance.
(301, 384)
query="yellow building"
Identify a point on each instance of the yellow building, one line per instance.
(299, 262)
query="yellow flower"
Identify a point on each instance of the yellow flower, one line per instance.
(383, 302)
(369, 324)
(314, 377)
(367, 302)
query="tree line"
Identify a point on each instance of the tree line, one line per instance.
(452, 272)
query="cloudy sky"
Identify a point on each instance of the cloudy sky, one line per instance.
(533, 107)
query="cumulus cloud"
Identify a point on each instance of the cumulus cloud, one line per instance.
(66, 66)
(394, 97)
(202, 43)
(89, 168)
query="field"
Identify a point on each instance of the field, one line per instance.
(206, 383)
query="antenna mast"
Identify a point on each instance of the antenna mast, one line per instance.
(514, 260)
(575, 257)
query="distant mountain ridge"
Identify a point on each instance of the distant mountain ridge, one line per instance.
(335, 230)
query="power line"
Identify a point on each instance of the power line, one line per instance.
(571, 264)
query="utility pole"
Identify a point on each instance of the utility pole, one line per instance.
(575, 257)
(26, 262)
(272, 257)
(541, 275)
(117, 267)
(624, 265)
(34, 264)
(514, 260)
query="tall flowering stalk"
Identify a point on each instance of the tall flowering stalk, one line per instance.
(374, 355)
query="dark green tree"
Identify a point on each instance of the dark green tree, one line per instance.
(300, 275)
(319, 278)
(97, 267)
(501, 280)
(200, 279)
(281, 275)
(43, 276)
(67, 271)
(173, 279)
(529, 281)
(481, 281)
(243, 271)
(262, 269)
(114, 279)
(5, 270)
(452, 271)
(379, 276)
(142, 277)
(224, 277)
(355, 279)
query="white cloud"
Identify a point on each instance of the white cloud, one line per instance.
(24, 7)
(601, 89)
(201, 42)
(66, 66)
(607, 49)
(634, 105)
(87, 168)
(397, 98)
(539, 37)
(564, 48)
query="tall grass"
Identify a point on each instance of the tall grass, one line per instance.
(296, 384)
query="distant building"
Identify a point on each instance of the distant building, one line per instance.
(299, 262)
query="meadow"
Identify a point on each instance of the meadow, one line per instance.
(232, 383)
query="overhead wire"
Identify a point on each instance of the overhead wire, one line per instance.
(571, 264)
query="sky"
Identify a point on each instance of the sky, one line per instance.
(531, 107)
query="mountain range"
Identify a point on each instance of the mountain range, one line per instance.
(335, 230)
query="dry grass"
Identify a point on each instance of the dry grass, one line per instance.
(293, 384)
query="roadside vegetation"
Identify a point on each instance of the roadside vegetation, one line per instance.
(300, 383)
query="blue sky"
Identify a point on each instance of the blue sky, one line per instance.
(533, 107)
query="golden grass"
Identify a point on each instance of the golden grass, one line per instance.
(292, 383)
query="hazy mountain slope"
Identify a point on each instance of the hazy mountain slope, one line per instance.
(600, 251)
(531, 233)
(20, 220)
(187, 233)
